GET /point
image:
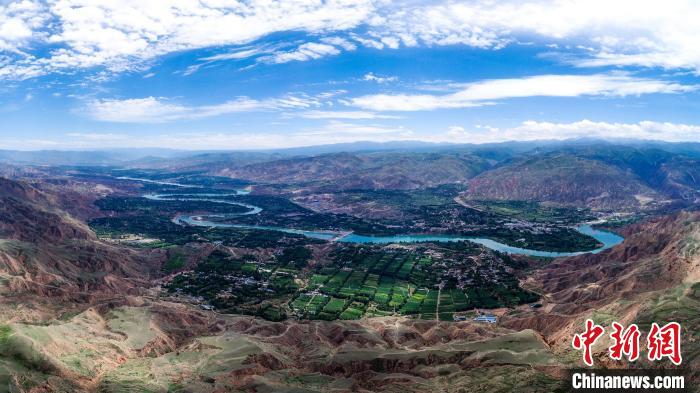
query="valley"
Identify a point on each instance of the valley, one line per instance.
(184, 279)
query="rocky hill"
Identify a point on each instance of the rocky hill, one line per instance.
(562, 179)
(606, 176)
(28, 214)
(653, 276)
(46, 252)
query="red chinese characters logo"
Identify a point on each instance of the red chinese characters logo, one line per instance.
(665, 342)
(586, 340)
(625, 341)
(662, 342)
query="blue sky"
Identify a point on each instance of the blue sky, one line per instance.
(262, 74)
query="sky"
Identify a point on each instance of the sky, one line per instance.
(262, 74)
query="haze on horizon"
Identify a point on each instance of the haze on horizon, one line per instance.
(233, 75)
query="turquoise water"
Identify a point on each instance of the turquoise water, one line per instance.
(196, 197)
(608, 239)
(201, 221)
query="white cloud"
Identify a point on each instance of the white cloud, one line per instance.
(64, 35)
(125, 35)
(338, 128)
(163, 110)
(391, 42)
(535, 130)
(368, 42)
(379, 79)
(280, 52)
(355, 115)
(136, 110)
(341, 132)
(19, 23)
(341, 42)
(98, 137)
(456, 132)
(332, 132)
(237, 55)
(484, 92)
(308, 51)
(621, 32)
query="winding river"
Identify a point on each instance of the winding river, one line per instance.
(608, 239)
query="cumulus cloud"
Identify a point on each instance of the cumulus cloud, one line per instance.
(485, 92)
(20, 22)
(456, 132)
(536, 130)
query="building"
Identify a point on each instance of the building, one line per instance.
(486, 318)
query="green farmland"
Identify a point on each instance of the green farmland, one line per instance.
(367, 282)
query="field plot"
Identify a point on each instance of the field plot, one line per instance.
(355, 311)
(413, 304)
(429, 305)
(309, 305)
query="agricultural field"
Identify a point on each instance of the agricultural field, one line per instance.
(351, 282)
(371, 281)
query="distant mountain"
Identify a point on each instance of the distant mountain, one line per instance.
(161, 157)
(379, 170)
(560, 178)
(581, 172)
(594, 175)
(85, 157)
(49, 157)
(673, 174)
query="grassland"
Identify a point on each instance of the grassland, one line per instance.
(5, 333)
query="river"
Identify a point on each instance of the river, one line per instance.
(608, 239)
